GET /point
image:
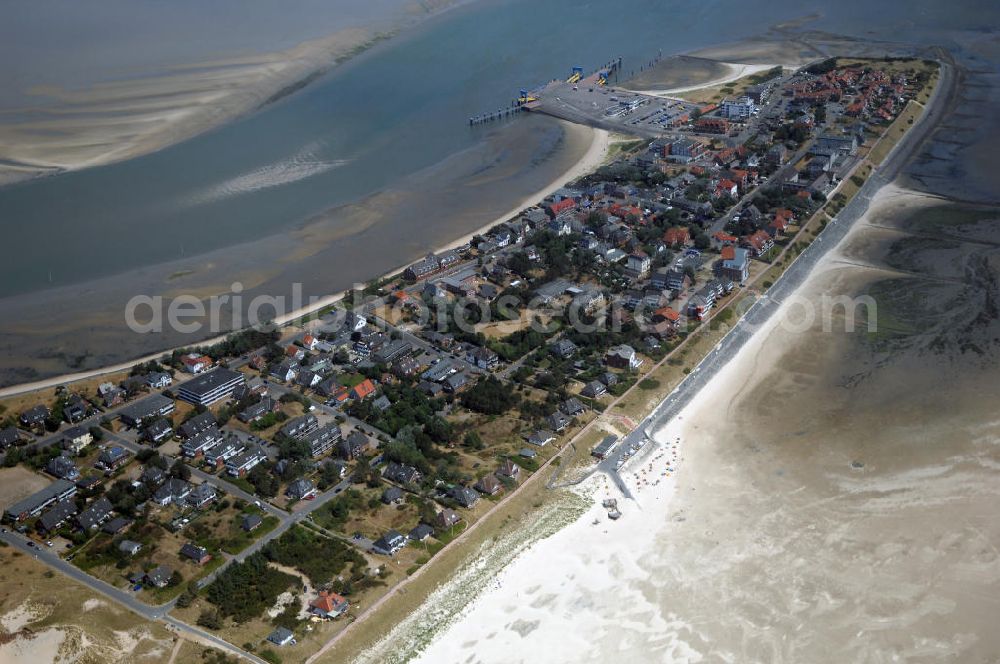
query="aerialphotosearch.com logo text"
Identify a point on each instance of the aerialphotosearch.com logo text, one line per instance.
(585, 312)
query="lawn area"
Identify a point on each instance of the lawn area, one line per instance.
(239, 539)
(372, 518)
(717, 93)
(896, 131)
(211, 529)
(19, 482)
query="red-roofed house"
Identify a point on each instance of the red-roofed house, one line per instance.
(362, 390)
(676, 236)
(309, 341)
(723, 239)
(726, 186)
(778, 227)
(565, 204)
(328, 605)
(759, 243)
(712, 125)
(622, 211)
(665, 321)
(194, 363)
(728, 253)
(667, 314)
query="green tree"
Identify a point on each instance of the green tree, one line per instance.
(180, 470)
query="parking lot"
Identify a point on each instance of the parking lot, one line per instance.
(613, 108)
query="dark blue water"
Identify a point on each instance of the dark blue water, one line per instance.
(391, 112)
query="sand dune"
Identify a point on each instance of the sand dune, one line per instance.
(72, 129)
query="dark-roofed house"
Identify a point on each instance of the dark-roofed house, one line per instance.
(76, 439)
(153, 476)
(389, 544)
(34, 504)
(446, 518)
(257, 410)
(156, 380)
(354, 446)
(572, 407)
(75, 408)
(174, 491)
(300, 489)
(401, 473)
(34, 416)
(209, 387)
(488, 485)
(196, 553)
(94, 514)
(56, 515)
(421, 532)
(155, 405)
(157, 431)
(88, 483)
(541, 438)
(251, 522)
(464, 496)
(159, 577)
(129, 548)
(323, 439)
(282, 637)
(241, 464)
(484, 358)
(300, 426)
(62, 468)
(456, 382)
(113, 457)
(201, 495)
(557, 421)
(116, 525)
(594, 389)
(605, 447)
(392, 495)
(196, 424)
(9, 436)
(509, 469)
(201, 443)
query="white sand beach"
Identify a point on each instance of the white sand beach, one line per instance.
(596, 589)
(595, 156)
(805, 522)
